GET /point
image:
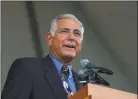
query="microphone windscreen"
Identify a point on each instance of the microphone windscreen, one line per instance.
(81, 72)
(82, 75)
(84, 62)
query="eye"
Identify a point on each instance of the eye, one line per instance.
(77, 33)
(64, 31)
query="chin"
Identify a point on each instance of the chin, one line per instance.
(69, 55)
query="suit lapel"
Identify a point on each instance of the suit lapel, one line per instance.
(53, 78)
(76, 80)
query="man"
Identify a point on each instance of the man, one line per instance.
(33, 78)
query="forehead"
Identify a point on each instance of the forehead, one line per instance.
(68, 23)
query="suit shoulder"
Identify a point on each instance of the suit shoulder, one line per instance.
(21, 67)
(26, 59)
(25, 62)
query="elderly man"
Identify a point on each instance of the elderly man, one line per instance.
(51, 77)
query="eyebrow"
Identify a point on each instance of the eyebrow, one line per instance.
(69, 29)
(65, 29)
(77, 30)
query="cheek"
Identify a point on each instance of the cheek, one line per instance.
(79, 47)
(58, 42)
(62, 41)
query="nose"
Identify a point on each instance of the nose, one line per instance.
(71, 35)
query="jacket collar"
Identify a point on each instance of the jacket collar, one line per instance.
(54, 80)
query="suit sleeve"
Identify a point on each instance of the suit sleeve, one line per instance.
(19, 81)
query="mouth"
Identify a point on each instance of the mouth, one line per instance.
(70, 46)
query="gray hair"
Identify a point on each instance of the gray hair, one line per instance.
(62, 16)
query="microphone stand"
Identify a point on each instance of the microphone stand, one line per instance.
(94, 78)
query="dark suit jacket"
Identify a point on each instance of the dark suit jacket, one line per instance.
(32, 78)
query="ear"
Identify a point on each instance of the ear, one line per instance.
(49, 38)
(82, 42)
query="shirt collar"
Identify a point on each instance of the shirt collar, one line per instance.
(59, 65)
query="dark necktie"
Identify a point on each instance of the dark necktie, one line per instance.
(64, 78)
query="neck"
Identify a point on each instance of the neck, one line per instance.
(64, 60)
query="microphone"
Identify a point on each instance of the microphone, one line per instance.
(82, 75)
(89, 73)
(86, 64)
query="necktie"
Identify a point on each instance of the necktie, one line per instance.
(64, 78)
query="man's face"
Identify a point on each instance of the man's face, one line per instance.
(66, 42)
